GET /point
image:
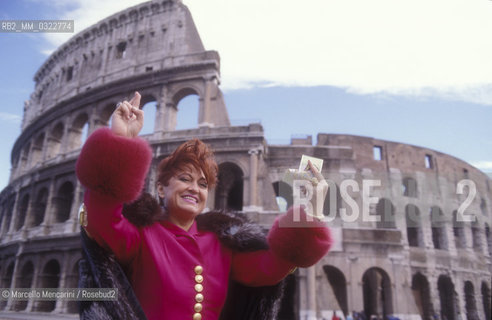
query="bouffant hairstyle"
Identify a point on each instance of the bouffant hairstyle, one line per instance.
(193, 152)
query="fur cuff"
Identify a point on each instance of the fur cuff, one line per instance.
(113, 165)
(299, 240)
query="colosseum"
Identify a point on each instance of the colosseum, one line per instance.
(412, 225)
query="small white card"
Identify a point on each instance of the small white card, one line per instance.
(304, 166)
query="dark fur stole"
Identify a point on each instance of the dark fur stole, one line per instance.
(235, 231)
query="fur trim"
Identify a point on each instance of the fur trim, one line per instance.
(113, 165)
(98, 269)
(302, 243)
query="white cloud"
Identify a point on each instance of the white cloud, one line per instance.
(483, 165)
(10, 117)
(420, 47)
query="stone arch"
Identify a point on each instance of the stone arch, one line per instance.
(422, 296)
(71, 281)
(79, 131)
(439, 238)
(6, 281)
(409, 187)
(447, 297)
(24, 280)
(8, 215)
(386, 210)
(470, 303)
(188, 112)
(106, 112)
(476, 236)
(55, 140)
(49, 278)
(283, 194)
(414, 226)
(63, 201)
(488, 238)
(22, 212)
(333, 200)
(338, 284)
(39, 207)
(486, 300)
(289, 305)
(37, 149)
(149, 105)
(458, 231)
(24, 159)
(229, 190)
(376, 286)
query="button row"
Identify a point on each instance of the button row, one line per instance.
(198, 307)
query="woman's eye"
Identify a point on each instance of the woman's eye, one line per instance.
(204, 185)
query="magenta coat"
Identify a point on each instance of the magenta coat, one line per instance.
(190, 268)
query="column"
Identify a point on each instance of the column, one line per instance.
(10, 228)
(205, 112)
(77, 201)
(253, 177)
(311, 293)
(46, 224)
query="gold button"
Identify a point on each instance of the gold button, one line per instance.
(198, 287)
(198, 269)
(199, 297)
(197, 316)
(199, 278)
(198, 307)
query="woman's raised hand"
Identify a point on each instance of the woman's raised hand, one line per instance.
(127, 119)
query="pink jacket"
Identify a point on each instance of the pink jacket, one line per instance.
(190, 268)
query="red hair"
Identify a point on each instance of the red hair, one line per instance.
(193, 152)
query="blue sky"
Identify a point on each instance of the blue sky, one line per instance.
(418, 73)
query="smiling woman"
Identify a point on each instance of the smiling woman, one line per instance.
(181, 263)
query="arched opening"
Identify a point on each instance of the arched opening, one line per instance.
(39, 207)
(37, 150)
(63, 202)
(283, 195)
(333, 201)
(24, 281)
(6, 282)
(8, 215)
(458, 232)
(49, 278)
(486, 300)
(55, 140)
(71, 281)
(149, 109)
(22, 212)
(447, 298)
(470, 303)
(488, 239)
(79, 131)
(338, 286)
(289, 305)
(483, 207)
(229, 190)
(106, 113)
(377, 293)
(386, 211)
(24, 160)
(439, 238)
(409, 187)
(414, 229)
(188, 109)
(476, 236)
(421, 294)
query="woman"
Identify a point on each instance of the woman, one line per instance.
(181, 264)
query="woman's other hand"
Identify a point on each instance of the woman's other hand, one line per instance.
(319, 192)
(127, 119)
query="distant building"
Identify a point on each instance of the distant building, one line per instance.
(417, 262)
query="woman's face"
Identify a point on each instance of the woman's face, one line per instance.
(185, 196)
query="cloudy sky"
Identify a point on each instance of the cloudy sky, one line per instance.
(418, 72)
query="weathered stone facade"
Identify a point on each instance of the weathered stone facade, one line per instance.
(407, 265)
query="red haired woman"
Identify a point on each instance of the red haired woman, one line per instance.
(180, 263)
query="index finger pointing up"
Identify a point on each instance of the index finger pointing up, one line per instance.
(135, 101)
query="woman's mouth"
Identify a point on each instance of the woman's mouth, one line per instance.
(190, 199)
